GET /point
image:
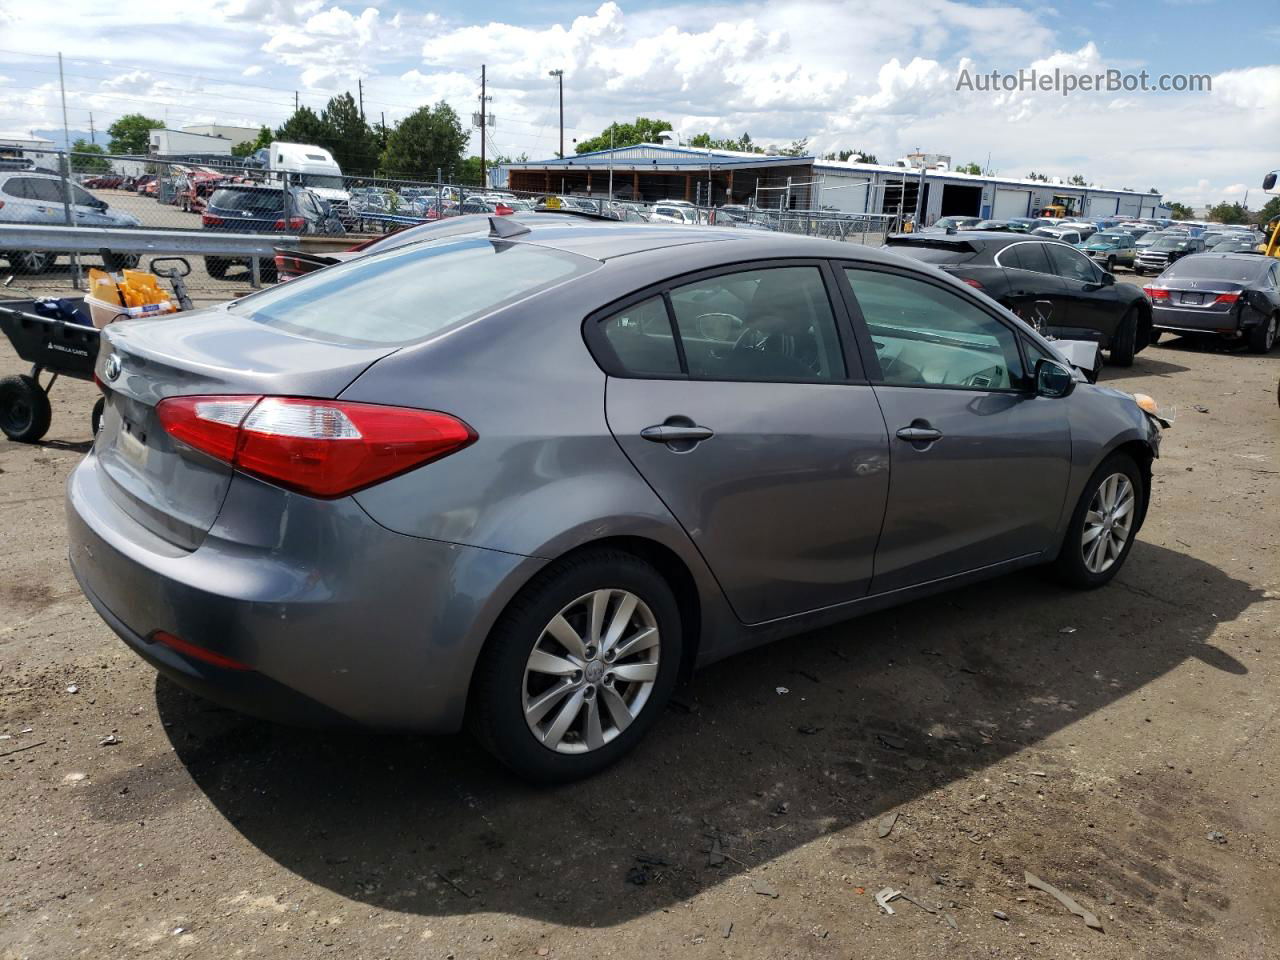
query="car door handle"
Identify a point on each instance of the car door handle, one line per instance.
(675, 433)
(918, 434)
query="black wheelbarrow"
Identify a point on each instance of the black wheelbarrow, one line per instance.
(59, 348)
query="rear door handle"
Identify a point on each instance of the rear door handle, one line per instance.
(915, 434)
(671, 433)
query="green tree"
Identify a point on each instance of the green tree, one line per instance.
(1078, 181)
(304, 127)
(973, 168)
(352, 143)
(427, 139)
(1180, 211)
(1037, 176)
(797, 148)
(468, 172)
(248, 149)
(1269, 210)
(1229, 213)
(644, 130)
(857, 156)
(87, 158)
(743, 144)
(1153, 190)
(132, 133)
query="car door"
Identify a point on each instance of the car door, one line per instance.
(979, 463)
(1092, 304)
(1031, 282)
(736, 398)
(39, 201)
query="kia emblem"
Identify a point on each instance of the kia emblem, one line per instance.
(112, 367)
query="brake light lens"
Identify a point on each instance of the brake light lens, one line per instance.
(971, 282)
(322, 448)
(293, 223)
(1229, 297)
(209, 220)
(195, 651)
(1156, 293)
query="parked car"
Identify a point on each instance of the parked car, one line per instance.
(1065, 234)
(997, 226)
(1165, 251)
(251, 208)
(28, 197)
(1020, 272)
(1236, 245)
(672, 213)
(956, 223)
(1027, 224)
(1111, 248)
(1230, 295)
(425, 517)
(483, 205)
(1086, 230)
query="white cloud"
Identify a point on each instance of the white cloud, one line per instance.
(252, 71)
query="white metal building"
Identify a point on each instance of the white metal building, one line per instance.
(178, 143)
(875, 188)
(237, 135)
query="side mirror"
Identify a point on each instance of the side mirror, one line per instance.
(1053, 380)
(1108, 279)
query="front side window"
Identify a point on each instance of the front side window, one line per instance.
(1070, 264)
(927, 336)
(768, 324)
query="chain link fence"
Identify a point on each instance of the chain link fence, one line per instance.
(330, 210)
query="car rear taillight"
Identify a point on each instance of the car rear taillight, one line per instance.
(209, 220)
(971, 282)
(323, 448)
(1156, 293)
(293, 223)
(195, 651)
(1229, 297)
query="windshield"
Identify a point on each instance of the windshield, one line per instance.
(324, 181)
(1213, 268)
(1170, 243)
(389, 298)
(1102, 238)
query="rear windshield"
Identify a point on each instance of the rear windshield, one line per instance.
(939, 254)
(1109, 237)
(411, 293)
(1213, 268)
(255, 201)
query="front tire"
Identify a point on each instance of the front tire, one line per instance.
(1103, 526)
(121, 261)
(1125, 343)
(25, 413)
(31, 261)
(578, 667)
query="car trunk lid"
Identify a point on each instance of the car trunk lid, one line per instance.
(169, 488)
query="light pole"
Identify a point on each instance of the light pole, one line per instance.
(559, 75)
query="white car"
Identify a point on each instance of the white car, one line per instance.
(30, 197)
(672, 213)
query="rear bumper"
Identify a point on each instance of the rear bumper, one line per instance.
(337, 620)
(1192, 320)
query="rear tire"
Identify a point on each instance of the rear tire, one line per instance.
(31, 261)
(506, 688)
(1111, 264)
(1124, 344)
(1073, 566)
(25, 413)
(1263, 337)
(217, 267)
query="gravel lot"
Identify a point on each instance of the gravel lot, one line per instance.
(1121, 745)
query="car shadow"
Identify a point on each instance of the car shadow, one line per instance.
(1144, 365)
(769, 751)
(1173, 344)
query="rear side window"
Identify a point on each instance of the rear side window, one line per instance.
(773, 324)
(642, 340)
(1025, 256)
(396, 298)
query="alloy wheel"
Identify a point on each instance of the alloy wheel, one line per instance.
(1108, 523)
(591, 671)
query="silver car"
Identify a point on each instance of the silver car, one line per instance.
(41, 198)
(532, 498)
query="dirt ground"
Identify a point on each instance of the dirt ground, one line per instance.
(1121, 745)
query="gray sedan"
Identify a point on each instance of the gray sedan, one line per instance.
(530, 499)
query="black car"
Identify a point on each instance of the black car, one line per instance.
(1165, 251)
(1228, 294)
(252, 208)
(1017, 270)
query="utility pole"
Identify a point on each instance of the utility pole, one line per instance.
(93, 136)
(295, 101)
(483, 99)
(559, 75)
(66, 129)
(360, 91)
(384, 129)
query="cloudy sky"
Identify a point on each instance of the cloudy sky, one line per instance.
(874, 75)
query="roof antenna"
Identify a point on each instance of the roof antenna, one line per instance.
(501, 228)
